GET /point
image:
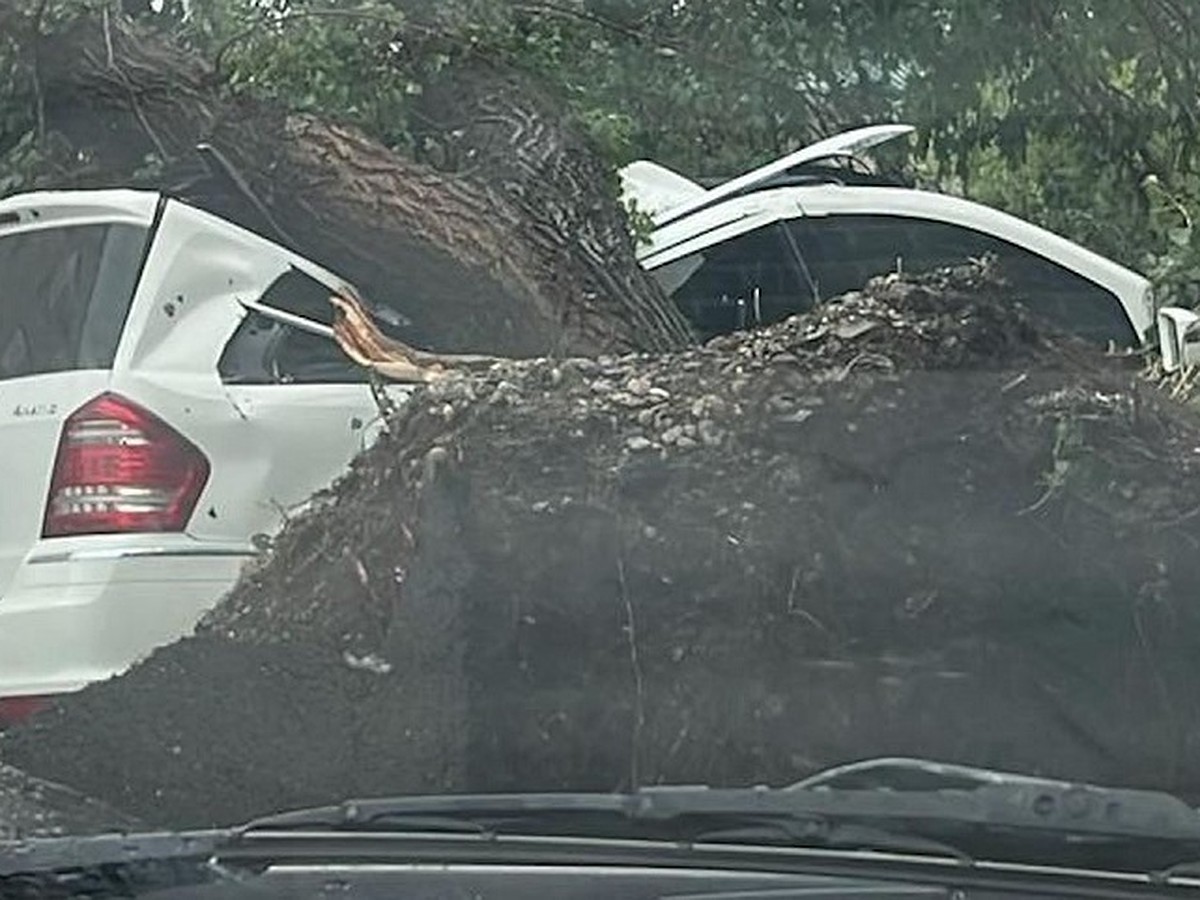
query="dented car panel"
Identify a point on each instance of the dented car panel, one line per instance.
(82, 607)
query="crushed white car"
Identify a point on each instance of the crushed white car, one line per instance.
(169, 388)
(819, 222)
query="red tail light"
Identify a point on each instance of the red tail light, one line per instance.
(121, 468)
(15, 710)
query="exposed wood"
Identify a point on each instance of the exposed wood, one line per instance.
(504, 132)
(361, 340)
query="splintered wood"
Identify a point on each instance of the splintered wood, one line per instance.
(360, 339)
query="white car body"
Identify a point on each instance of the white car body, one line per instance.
(78, 608)
(691, 221)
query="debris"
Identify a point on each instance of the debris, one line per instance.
(32, 808)
(361, 340)
(368, 662)
(862, 583)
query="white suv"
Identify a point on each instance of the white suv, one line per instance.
(817, 223)
(169, 387)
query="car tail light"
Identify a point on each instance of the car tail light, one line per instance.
(120, 468)
(15, 710)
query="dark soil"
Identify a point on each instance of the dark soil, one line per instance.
(32, 808)
(907, 524)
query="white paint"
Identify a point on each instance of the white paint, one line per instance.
(690, 220)
(735, 216)
(847, 144)
(74, 610)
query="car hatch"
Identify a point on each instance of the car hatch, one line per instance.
(67, 278)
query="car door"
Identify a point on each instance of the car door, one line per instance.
(66, 285)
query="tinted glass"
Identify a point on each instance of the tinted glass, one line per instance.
(844, 252)
(64, 296)
(753, 279)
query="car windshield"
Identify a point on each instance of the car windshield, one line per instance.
(420, 399)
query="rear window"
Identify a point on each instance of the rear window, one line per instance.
(264, 351)
(64, 296)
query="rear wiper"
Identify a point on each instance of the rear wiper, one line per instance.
(897, 804)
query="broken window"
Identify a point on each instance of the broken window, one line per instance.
(264, 350)
(64, 296)
(843, 252)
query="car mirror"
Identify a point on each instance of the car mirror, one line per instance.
(1178, 337)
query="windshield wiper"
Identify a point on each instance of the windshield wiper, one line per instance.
(916, 809)
(895, 804)
(598, 817)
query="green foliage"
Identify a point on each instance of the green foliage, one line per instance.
(641, 223)
(1077, 114)
(338, 60)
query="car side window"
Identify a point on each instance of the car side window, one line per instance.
(844, 251)
(753, 279)
(265, 351)
(64, 296)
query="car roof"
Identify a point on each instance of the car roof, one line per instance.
(739, 215)
(107, 205)
(747, 212)
(135, 207)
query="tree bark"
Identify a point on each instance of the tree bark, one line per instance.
(528, 258)
(512, 137)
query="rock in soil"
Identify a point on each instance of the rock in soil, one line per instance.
(910, 522)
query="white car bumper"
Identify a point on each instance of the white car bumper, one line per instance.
(79, 612)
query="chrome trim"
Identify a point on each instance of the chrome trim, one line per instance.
(105, 553)
(931, 864)
(713, 872)
(288, 318)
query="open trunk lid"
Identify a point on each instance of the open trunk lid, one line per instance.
(667, 196)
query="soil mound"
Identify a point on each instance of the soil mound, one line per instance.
(910, 522)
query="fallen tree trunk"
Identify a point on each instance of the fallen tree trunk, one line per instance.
(501, 127)
(907, 523)
(471, 267)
